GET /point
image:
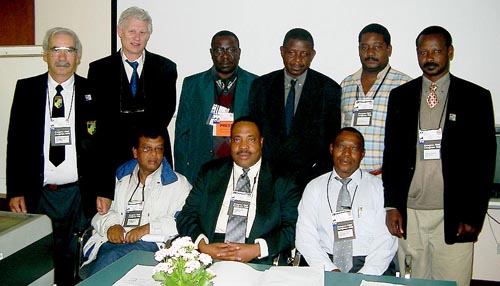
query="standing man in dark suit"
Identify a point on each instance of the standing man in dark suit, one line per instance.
(436, 211)
(297, 131)
(209, 102)
(237, 210)
(131, 85)
(51, 150)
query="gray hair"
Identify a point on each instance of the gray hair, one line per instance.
(60, 30)
(138, 14)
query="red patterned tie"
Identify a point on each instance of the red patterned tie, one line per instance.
(432, 98)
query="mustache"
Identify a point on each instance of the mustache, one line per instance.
(371, 59)
(243, 152)
(62, 64)
(430, 65)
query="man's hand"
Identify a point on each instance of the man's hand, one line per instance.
(394, 222)
(103, 205)
(137, 233)
(17, 205)
(466, 230)
(212, 249)
(115, 234)
(239, 252)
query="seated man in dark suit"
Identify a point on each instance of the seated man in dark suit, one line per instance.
(237, 210)
(299, 111)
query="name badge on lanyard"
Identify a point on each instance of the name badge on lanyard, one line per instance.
(431, 143)
(240, 204)
(221, 120)
(362, 113)
(134, 213)
(60, 132)
(343, 225)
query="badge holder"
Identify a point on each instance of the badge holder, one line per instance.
(343, 225)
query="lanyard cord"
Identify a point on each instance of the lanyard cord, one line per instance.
(328, 196)
(138, 184)
(357, 86)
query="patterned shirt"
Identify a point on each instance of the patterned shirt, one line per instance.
(373, 134)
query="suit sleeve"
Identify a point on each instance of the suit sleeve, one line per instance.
(390, 165)
(106, 177)
(182, 131)
(166, 98)
(188, 221)
(283, 237)
(20, 151)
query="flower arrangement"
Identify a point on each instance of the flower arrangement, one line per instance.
(182, 265)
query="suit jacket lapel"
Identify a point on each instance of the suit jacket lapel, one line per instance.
(265, 198)
(215, 198)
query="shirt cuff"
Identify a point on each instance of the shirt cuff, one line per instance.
(264, 251)
(200, 237)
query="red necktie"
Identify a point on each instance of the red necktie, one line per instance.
(432, 99)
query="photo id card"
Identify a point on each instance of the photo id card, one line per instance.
(343, 225)
(431, 144)
(60, 132)
(362, 113)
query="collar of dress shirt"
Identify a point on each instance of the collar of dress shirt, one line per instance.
(140, 60)
(67, 85)
(443, 84)
(254, 170)
(355, 178)
(300, 79)
(380, 75)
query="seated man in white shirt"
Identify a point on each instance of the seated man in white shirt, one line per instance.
(148, 196)
(345, 231)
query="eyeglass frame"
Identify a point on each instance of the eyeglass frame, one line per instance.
(68, 51)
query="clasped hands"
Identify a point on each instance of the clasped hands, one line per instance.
(230, 251)
(116, 234)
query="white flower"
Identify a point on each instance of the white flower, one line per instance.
(182, 252)
(205, 259)
(192, 266)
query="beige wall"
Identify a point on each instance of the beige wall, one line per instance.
(90, 19)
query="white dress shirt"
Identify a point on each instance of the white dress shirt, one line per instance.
(67, 171)
(314, 234)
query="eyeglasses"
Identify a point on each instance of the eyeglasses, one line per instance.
(221, 51)
(147, 149)
(353, 148)
(56, 51)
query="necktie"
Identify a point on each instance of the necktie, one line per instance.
(56, 153)
(432, 99)
(342, 249)
(290, 106)
(237, 225)
(135, 77)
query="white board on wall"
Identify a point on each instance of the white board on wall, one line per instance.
(182, 31)
(16, 63)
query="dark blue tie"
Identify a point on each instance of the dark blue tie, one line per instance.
(290, 106)
(57, 153)
(135, 77)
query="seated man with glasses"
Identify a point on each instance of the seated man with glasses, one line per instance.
(148, 195)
